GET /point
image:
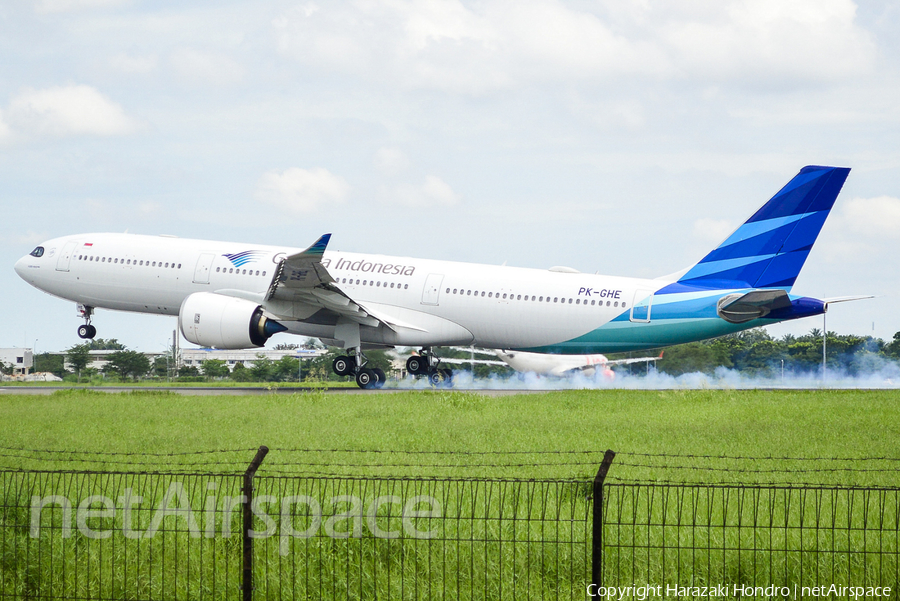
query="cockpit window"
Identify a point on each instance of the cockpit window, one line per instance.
(38, 252)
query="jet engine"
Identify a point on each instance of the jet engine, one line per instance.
(225, 322)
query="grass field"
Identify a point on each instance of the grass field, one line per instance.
(517, 538)
(806, 424)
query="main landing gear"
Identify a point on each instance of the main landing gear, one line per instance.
(354, 364)
(87, 331)
(426, 364)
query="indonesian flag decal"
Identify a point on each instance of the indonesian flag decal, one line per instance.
(88, 243)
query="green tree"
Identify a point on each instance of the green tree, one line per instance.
(286, 369)
(215, 368)
(240, 373)
(262, 369)
(79, 357)
(693, 357)
(892, 349)
(55, 364)
(128, 364)
(319, 368)
(160, 367)
(188, 371)
(103, 344)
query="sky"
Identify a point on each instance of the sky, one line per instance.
(620, 137)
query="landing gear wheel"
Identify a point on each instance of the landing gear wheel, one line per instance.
(448, 374)
(416, 365)
(438, 378)
(87, 332)
(366, 378)
(342, 366)
(382, 378)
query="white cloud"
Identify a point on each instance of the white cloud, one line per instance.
(300, 191)
(5, 132)
(125, 63)
(877, 217)
(434, 192)
(498, 44)
(68, 110)
(193, 65)
(809, 40)
(61, 6)
(391, 161)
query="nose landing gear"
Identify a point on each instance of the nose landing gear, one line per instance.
(87, 331)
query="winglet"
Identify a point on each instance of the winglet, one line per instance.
(318, 247)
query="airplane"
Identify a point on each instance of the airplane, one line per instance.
(556, 366)
(231, 295)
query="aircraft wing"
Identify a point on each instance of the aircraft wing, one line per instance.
(633, 360)
(303, 280)
(469, 361)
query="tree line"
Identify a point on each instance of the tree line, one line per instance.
(752, 352)
(756, 353)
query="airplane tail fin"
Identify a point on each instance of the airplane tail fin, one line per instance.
(769, 249)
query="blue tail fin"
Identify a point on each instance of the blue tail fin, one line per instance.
(771, 247)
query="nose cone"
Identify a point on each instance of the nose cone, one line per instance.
(20, 267)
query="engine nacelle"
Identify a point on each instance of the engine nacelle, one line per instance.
(225, 322)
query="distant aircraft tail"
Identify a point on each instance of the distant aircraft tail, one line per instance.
(769, 250)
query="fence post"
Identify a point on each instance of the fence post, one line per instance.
(597, 534)
(247, 581)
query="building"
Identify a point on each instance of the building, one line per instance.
(21, 359)
(195, 357)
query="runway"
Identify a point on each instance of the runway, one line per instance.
(244, 390)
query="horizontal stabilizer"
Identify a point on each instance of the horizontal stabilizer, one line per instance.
(740, 308)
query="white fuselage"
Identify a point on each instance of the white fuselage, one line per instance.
(432, 302)
(555, 365)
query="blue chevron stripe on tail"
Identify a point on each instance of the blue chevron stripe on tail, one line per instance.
(769, 250)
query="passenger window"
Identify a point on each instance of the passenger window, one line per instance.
(577, 301)
(570, 301)
(616, 304)
(623, 305)
(555, 299)
(519, 297)
(217, 269)
(482, 293)
(405, 286)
